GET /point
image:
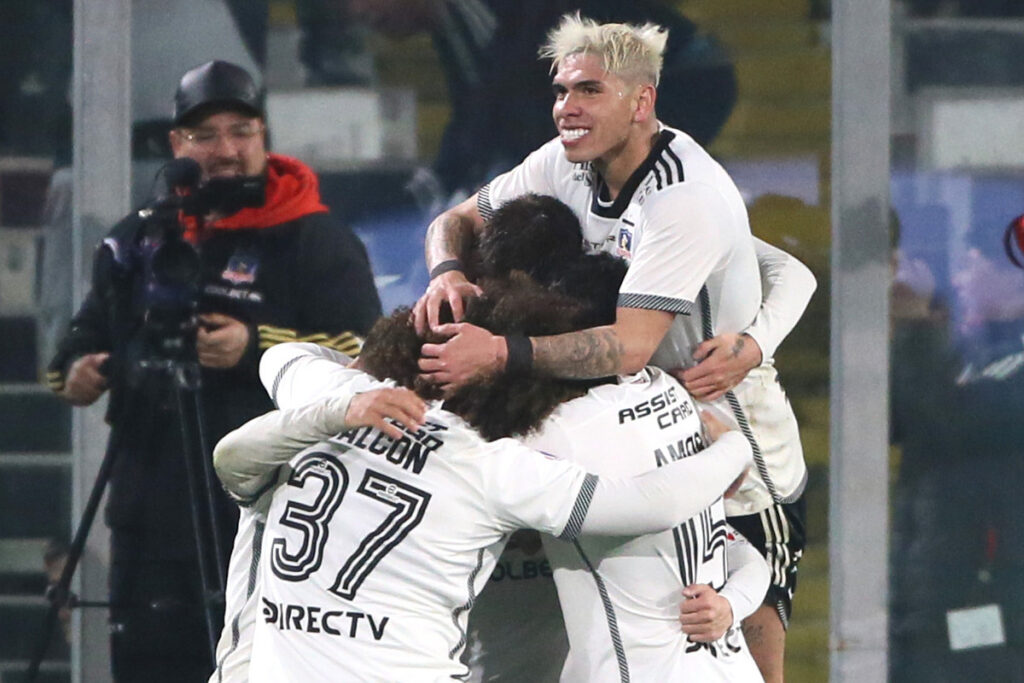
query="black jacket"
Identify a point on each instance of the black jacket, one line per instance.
(307, 279)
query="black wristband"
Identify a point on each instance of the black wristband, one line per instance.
(520, 355)
(444, 267)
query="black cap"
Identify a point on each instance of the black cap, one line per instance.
(216, 83)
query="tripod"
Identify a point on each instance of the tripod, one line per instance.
(160, 277)
(185, 378)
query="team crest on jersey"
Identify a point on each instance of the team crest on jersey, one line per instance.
(625, 242)
(241, 268)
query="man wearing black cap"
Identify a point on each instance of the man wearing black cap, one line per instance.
(274, 268)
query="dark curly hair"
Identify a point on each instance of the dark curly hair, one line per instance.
(534, 233)
(537, 281)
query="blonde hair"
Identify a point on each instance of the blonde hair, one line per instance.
(630, 51)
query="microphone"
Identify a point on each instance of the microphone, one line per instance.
(182, 174)
(184, 190)
(180, 185)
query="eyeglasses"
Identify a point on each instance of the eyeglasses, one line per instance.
(239, 133)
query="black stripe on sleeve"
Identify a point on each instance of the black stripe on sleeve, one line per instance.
(483, 202)
(676, 161)
(279, 377)
(655, 303)
(579, 510)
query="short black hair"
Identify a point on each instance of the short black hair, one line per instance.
(534, 233)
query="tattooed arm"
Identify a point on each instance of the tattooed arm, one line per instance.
(624, 347)
(450, 239)
(473, 352)
(452, 234)
(723, 362)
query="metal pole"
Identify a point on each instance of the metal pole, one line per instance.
(859, 477)
(101, 176)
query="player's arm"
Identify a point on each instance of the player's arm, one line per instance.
(298, 373)
(706, 614)
(624, 347)
(787, 286)
(749, 576)
(450, 239)
(557, 496)
(315, 388)
(246, 459)
(452, 236)
(663, 497)
(665, 277)
(620, 348)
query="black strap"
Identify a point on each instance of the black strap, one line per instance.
(444, 267)
(520, 355)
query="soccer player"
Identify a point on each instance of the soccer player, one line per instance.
(234, 648)
(691, 301)
(381, 590)
(620, 626)
(620, 597)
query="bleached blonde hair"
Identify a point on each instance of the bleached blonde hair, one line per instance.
(632, 52)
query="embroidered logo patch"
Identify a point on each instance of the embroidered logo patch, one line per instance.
(241, 268)
(625, 242)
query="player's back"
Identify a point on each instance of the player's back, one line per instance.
(234, 647)
(620, 596)
(375, 549)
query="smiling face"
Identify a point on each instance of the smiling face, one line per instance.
(225, 144)
(599, 115)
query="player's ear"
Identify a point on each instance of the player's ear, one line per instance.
(644, 99)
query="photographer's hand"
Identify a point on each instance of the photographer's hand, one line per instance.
(221, 341)
(85, 383)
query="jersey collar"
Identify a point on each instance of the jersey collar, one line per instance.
(615, 209)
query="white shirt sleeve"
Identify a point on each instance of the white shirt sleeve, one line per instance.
(665, 496)
(680, 246)
(528, 489)
(298, 373)
(315, 387)
(247, 459)
(788, 285)
(536, 173)
(749, 576)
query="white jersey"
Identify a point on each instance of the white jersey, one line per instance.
(681, 224)
(241, 605)
(415, 528)
(375, 549)
(518, 613)
(620, 597)
(234, 649)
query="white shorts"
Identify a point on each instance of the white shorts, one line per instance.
(760, 406)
